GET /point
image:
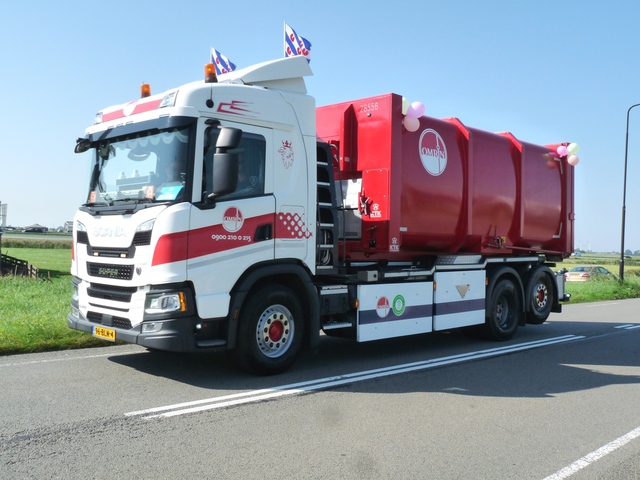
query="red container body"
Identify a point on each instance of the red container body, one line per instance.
(445, 188)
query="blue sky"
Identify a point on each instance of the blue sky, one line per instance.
(547, 71)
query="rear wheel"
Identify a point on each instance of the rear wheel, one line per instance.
(504, 309)
(540, 294)
(270, 331)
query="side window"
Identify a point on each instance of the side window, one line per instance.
(251, 164)
(251, 155)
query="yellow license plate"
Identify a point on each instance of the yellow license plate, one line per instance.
(104, 333)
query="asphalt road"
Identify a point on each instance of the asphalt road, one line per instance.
(561, 400)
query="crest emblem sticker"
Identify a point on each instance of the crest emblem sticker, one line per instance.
(286, 150)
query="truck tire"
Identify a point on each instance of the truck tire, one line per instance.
(503, 312)
(270, 331)
(540, 294)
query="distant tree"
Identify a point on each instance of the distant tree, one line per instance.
(628, 252)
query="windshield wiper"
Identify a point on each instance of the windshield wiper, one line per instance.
(133, 199)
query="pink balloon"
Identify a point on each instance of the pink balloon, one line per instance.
(573, 160)
(562, 151)
(411, 112)
(418, 109)
(411, 124)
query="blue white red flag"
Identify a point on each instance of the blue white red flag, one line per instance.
(294, 44)
(222, 63)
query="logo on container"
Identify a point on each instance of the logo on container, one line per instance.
(433, 152)
(232, 219)
(382, 307)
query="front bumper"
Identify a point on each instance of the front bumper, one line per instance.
(175, 335)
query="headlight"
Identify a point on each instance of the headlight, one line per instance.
(80, 227)
(146, 226)
(166, 303)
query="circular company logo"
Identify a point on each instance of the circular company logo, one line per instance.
(398, 305)
(232, 219)
(433, 152)
(382, 308)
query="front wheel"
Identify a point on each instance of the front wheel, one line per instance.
(270, 331)
(503, 312)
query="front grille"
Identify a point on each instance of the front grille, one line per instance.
(142, 238)
(109, 321)
(106, 270)
(120, 322)
(111, 292)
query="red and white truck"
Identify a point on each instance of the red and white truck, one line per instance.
(232, 214)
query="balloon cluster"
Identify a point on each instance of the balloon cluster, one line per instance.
(412, 113)
(570, 152)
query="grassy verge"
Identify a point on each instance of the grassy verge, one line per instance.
(597, 291)
(34, 312)
(600, 290)
(54, 242)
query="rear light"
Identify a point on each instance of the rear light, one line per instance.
(210, 73)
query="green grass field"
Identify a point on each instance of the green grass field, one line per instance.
(33, 312)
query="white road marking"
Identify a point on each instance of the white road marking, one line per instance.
(328, 382)
(594, 456)
(624, 326)
(66, 359)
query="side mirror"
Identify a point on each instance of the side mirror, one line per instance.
(228, 139)
(225, 173)
(82, 145)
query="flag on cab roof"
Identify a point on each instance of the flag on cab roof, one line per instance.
(294, 44)
(222, 63)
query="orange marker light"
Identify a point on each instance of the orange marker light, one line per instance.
(210, 73)
(145, 90)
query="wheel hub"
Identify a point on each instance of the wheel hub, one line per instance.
(541, 295)
(274, 331)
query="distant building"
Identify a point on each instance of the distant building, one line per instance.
(68, 226)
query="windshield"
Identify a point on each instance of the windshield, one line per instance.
(142, 167)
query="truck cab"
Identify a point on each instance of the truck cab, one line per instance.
(190, 193)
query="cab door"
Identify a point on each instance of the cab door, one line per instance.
(231, 232)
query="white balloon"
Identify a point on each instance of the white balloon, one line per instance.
(411, 124)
